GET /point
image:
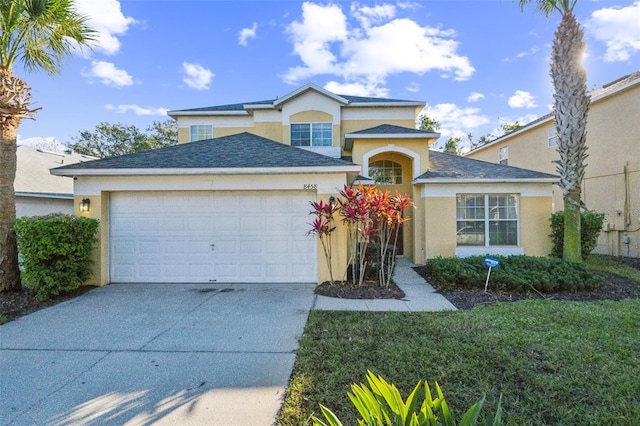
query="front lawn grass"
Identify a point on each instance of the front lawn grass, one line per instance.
(612, 266)
(569, 363)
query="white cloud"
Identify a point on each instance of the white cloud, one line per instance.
(196, 76)
(618, 29)
(106, 17)
(364, 88)
(523, 54)
(247, 33)
(413, 87)
(136, 109)
(475, 97)
(367, 15)
(108, 74)
(455, 121)
(374, 45)
(522, 99)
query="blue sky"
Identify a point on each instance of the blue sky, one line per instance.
(476, 63)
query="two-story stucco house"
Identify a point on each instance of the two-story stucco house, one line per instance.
(612, 180)
(230, 203)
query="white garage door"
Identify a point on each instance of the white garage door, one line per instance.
(211, 236)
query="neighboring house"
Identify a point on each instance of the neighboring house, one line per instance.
(230, 203)
(37, 191)
(612, 180)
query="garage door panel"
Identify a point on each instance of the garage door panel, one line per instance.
(167, 237)
(226, 225)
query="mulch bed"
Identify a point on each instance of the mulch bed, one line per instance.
(16, 304)
(368, 290)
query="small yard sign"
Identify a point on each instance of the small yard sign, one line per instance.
(491, 262)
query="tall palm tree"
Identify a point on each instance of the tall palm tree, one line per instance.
(39, 34)
(571, 106)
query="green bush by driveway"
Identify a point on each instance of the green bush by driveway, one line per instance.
(55, 252)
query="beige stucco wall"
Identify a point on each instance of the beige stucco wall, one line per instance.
(535, 226)
(100, 257)
(439, 227)
(612, 139)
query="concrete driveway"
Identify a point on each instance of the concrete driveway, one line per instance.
(154, 354)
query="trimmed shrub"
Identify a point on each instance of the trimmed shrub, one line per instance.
(55, 252)
(591, 225)
(516, 273)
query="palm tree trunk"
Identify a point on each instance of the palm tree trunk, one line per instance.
(14, 105)
(9, 271)
(570, 109)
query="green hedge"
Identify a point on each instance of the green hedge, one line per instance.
(55, 252)
(590, 227)
(516, 273)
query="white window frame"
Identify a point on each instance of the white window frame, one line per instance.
(387, 165)
(201, 132)
(487, 220)
(311, 130)
(503, 155)
(552, 137)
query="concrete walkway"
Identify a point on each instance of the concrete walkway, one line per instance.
(420, 296)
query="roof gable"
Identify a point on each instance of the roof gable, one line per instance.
(307, 88)
(239, 151)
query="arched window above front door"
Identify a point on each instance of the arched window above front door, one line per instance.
(385, 172)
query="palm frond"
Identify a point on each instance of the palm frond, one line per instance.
(41, 33)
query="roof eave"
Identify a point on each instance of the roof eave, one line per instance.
(392, 135)
(472, 180)
(56, 195)
(175, 114)
(206, 171)
(388, 104)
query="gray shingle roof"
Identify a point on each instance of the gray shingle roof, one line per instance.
(229, 107)
(385, 129)
(240, 106)
(243, 150)
(33, 177)
(443, 165)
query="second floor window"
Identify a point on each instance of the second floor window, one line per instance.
(311, 134)
(552, 136)
(200, 132)
(386, 172)
(503, 155)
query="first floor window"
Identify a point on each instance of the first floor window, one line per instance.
(552, 137)
(487, 219)
(311, 134)
(386, 172)
(200, 132)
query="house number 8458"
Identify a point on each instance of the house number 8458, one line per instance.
(310, 186)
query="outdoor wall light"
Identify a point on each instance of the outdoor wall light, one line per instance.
(85, 205)
(332, 199)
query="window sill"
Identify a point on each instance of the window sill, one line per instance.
(482, 250)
